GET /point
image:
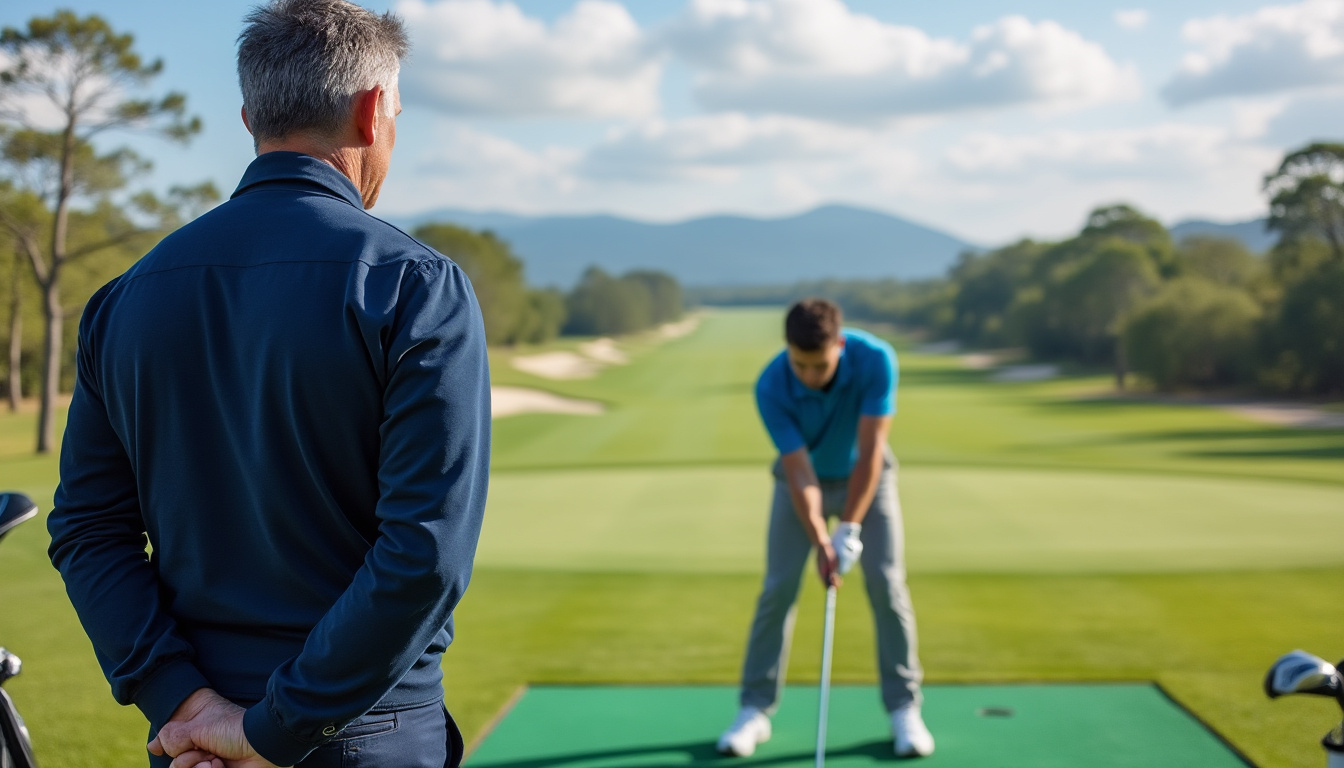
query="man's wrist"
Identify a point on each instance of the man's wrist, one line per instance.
(816, 530)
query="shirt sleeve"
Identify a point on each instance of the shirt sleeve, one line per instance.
(780, 425)
(98, 544)
(432, 476)
(879, 395)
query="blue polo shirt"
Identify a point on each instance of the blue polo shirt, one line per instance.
(289, 400)
(827, 421)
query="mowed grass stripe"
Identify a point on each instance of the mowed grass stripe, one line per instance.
(689, 401)
(957, 520)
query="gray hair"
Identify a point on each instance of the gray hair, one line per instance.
(300, 63)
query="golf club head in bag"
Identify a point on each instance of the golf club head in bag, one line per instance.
(14, 509)
(16, 749)
(1301, 672)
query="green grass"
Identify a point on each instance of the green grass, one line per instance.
(958, 520)
(1207, 638)
(1053, 534)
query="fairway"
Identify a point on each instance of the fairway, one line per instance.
(957, 521)
(1006, 726)
(1054, 533)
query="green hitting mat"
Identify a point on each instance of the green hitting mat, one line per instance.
(1003, 726)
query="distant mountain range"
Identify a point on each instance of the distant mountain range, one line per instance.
(1251, 233)
(833, 241)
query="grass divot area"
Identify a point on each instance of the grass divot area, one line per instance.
(1006, 726)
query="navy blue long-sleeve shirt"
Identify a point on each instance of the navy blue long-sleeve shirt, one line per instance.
(289, 399)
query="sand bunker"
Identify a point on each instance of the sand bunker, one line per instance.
(511, 401)
(1289, 415)
(940, 348)
(558, 365)
(1026, 372)
(593, 355)
(604, 350)
(679, 329)
(979, 361)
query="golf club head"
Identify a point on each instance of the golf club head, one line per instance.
(1301, 672)
(10, 666)
(14, 509)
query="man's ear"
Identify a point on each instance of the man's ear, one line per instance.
(367, 104)
(246, 124)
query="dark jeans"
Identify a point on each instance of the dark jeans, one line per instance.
(422, 737)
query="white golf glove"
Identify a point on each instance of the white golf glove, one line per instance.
(847, 546)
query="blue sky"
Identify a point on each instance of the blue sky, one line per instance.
(992, 120)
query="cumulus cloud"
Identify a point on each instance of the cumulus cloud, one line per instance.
(474, 169)
(1132, 18)
(1275, 49)
(1044, 183)
(487, 58)
(1151, 152)
(716, 147)
(818, 58)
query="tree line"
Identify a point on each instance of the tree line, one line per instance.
(599, 305)
(1202, 313)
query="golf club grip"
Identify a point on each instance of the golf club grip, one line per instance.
(823, 704)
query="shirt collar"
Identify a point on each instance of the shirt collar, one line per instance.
(274, 167)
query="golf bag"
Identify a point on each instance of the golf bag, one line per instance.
(1300, 672)
(16, 749)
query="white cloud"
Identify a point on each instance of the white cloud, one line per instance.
(487, 58)
(1045, 182)
(717, 147)
(1163, 150)
(1275, 49)
(1132, 18)
(818, 58)
(478, 170)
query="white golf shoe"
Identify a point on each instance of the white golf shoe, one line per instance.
(911, 736)
(751, 727)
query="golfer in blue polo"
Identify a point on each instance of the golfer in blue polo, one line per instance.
(827, 402)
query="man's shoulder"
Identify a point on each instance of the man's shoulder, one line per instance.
(867, 348)
(773, 378)
(400, 244)
(324, 224)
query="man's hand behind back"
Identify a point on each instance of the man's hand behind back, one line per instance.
(206, 731)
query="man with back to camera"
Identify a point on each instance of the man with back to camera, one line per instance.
(289, 399)
(827, 402)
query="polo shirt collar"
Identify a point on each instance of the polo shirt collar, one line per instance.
(279, 167)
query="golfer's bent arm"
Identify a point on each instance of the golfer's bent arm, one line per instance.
(868, 469)
(433, 474)
(98, 544)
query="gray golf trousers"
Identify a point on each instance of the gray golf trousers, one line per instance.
(883, 563)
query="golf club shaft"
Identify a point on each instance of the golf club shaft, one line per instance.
(823, 707)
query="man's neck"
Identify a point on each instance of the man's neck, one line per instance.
(347, 160)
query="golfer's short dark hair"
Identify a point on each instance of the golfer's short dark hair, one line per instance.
(812, 324)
